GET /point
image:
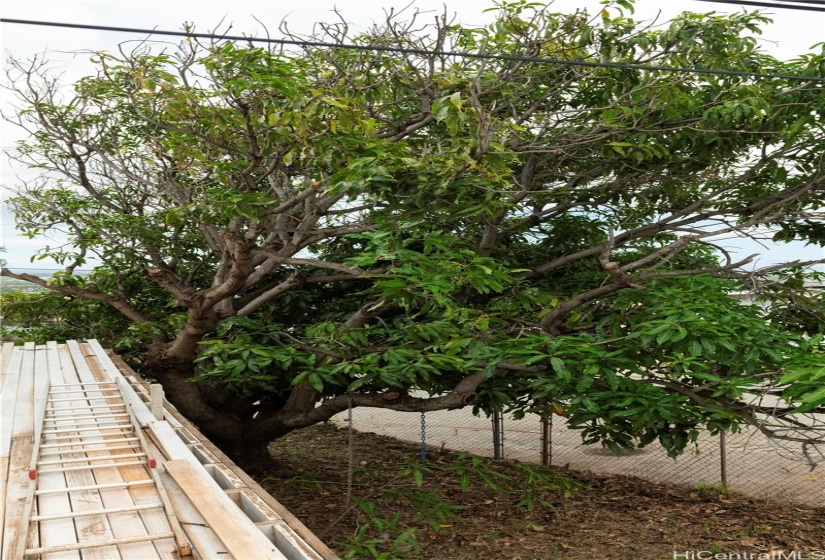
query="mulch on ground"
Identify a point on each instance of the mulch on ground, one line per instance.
(581, 516)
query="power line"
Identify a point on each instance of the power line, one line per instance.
(425, 52)
(48, 269)
(41, 272)
(797, 6)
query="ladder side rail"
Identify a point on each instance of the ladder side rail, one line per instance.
(181, 542)
(42, 389)
(20, 432)
(137, 407)
(149, 522)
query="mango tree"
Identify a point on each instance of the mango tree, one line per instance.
(289, 233)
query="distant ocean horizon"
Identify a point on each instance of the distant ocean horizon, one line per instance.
(44, 272)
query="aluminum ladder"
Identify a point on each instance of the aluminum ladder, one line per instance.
(80, 430)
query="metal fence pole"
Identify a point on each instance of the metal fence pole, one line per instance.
(498, 435)
(723, 461)
(547, 441)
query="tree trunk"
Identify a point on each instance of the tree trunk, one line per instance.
(251, 455)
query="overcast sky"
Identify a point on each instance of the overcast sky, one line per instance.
(793, 32)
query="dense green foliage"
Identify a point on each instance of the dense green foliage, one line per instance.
(295, 233)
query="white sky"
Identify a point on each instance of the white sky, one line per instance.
(792, 33)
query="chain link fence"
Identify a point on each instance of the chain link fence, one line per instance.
(746, 462)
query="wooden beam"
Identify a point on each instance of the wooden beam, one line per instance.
(16, 493)
(242, 539)
(156, 400)
(20, 436)
(40, 398)
(8, 395)
(4, 359)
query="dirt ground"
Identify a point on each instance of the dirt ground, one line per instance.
(533, 513)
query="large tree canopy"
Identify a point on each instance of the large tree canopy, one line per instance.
(293, 233)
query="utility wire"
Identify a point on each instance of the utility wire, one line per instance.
(803, 2)
(797, 6)
(424, 52)
(47, 269)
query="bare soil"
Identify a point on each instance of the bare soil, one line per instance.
(533, 513)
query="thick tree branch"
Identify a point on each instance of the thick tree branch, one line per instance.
(117, 302)
(462, 395)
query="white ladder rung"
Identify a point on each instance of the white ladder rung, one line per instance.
(49, 453)
(91, 390)
(96, 428)
(71, 410)
(99, 458)
(91, 467)
(87, 443)
(66, 417)
(80, 418)
(125, 509)
(86, 398)
(83, 384)
(145, 482)
(98, 544)
(55, 439)
(87, 422)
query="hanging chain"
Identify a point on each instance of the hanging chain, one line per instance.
(350, 452)
(422, 456)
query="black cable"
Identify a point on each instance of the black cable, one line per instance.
(768, 5)
(803, 2)
(319, 44)
(48, 269)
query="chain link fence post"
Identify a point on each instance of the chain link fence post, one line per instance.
(498, 435)
(723, 458)
(546, 441)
